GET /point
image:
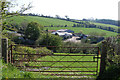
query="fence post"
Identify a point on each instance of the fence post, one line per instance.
(103, 59)
(5, 49)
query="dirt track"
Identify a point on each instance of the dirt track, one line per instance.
(73, 39)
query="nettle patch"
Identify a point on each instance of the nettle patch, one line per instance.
(26, 53)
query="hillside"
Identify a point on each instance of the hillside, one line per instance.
(107, 25)
(41, 20)
(61, 23)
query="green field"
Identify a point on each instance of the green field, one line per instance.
(41, 20)
(106, 25)
(84, 30)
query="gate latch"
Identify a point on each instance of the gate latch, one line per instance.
(96, 57)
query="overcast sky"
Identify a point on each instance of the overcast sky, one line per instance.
(75, 9)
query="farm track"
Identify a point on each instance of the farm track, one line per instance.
(73, 39)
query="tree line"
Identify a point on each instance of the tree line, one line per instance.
(80, 23)
(105, 21)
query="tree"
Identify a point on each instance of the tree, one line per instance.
(57, 16)
(5, 12)
(32, 31)
(47, 39)
(112, 60)
(67, 18)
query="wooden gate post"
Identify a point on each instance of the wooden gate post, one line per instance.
(5, 49)
(103, 59)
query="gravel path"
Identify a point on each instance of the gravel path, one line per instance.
(73, 39)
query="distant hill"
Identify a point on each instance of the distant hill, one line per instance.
(86, 26)
(104, 21)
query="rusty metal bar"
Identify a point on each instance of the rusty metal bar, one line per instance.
(97, 61)
(53, 46)
(56, 71)
(53, 54)
(50, 61)
(68, 74)
(58, 66)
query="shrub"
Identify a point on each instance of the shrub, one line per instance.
(113, 59)
(49, 40)
(112, 73)
(32, 31)
(18, 40)
(78, 48)
(29, 50)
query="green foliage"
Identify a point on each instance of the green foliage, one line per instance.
(113, 59)
(32, 31)
(10, 71)
(8, 34)
(97, 34)
(85, 41)
(49, 39)
(23, 49)
(17, 40)
(113, 46)
(30, 50)
(22, 27)
(77, 48)
(112, 73)
(107, 25)
(5, 7)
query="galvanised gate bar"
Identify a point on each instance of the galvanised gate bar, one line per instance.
(61, 61)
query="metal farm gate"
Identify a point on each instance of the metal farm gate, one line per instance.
(58, 61)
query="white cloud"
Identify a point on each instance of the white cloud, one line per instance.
(77, 9)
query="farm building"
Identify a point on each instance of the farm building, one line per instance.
(65, 30)
(51, 31)
(65, 33)
(80, 35)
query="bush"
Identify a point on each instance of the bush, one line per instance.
(32, 31)
(29, 50)
(18, 40)
(49, 40)
(113, 59)
(112, 73)
(78, 48)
